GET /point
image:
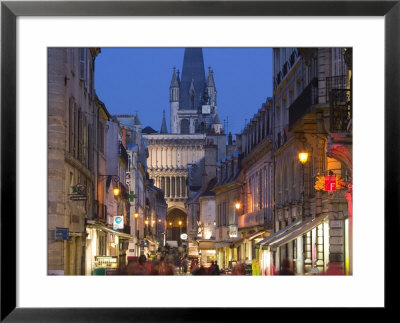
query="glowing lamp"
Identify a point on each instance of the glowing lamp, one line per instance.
(159, 220)
(237, 205)
(153, 221)
(170, 223)
(303, 157)
(136, 214)
(116, 191)
(215, 223)
(180, 222)
(146, 222)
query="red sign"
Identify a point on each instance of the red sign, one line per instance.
(330, 183)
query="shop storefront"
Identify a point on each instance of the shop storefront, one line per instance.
(106, 249)
(224, 254)
(207, 252)
(310, 244)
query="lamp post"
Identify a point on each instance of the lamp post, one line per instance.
(303, 158)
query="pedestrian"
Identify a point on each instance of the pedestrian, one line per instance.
(137, 268)
(286, 268)
(270, 271)
(210, 270)
(334, 269)
(185, 263)
(216, 270)
(238, 269)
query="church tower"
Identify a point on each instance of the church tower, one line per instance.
(174, 102)
(193, 99)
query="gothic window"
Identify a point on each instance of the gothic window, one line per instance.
(178, 186)
(173, 186)
(163, 184)
(168, 187)
(185, 126)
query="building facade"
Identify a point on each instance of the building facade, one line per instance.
(255, 221)
(74, 155)
(312, 105)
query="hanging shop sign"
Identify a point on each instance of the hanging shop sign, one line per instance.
(79, 193)
(184, 236)
(193, 250)
(62, 234)
(233, 231)
(329, 183)
(118, 222)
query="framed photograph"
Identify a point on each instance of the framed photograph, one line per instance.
(31, 34)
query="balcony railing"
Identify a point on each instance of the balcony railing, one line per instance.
(341, 111)
(303, 103)
(260, 217)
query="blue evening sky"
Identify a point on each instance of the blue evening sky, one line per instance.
(137, 79)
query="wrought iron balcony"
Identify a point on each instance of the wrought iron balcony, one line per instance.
(304, 102)
(260, 217)
(341, 110)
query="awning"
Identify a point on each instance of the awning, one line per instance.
(223, 244)
(206, 245)
(104, 228)
(299, 231)
(279, 233)
(288, 234)
(250, 236)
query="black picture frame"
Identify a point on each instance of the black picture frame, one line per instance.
(10, 10)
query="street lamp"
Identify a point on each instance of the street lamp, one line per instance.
(237, 205)
(303, 158)
(114, 178)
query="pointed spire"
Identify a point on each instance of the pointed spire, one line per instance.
(177, 77)
(192, 76)
(137, 121)
(210, 78)
(174, 80)
(164, 124)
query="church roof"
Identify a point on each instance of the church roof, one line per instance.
(149, 130)
(193, 69)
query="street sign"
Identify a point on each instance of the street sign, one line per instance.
(78, 197)
(62, 234)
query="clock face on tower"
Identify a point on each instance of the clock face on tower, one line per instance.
(206, 109)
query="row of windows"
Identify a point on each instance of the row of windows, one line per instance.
(85, 67)
(81, 135)
(258, 131)
(259, 190)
